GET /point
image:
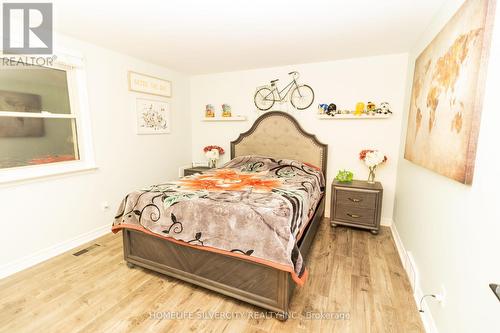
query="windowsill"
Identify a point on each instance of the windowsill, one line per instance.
(44, 171)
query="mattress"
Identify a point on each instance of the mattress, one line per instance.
(253, 206)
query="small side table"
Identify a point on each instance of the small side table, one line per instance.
(195, 170)
(356, 204)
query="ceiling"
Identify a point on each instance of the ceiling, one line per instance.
(206, 36)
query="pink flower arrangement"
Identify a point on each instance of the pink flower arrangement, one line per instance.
(211, 147)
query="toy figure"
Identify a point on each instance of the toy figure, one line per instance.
(322, 108)
(370, 108)
(385, 108)
(332, 109)
(360, 109)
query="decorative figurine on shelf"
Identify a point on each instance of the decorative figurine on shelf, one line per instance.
(360, 109)
(226, 110)
(344, 176)
(372, 159)
(209, 111)
(322, 108)
(371, 108)
(385, 108)
(213, 153)
(332, 109)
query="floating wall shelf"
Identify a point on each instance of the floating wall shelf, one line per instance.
(234, 118)
(352, 116)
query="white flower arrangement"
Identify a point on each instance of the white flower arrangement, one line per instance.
(212, 154)
(372, 159)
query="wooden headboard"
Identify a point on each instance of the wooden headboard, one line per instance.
(277, 134)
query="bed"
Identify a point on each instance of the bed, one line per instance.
(274, 149)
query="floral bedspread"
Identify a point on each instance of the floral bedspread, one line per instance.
(253, 207)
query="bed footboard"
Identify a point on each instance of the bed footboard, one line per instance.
(251, 282)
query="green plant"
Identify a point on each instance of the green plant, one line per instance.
(344, 176)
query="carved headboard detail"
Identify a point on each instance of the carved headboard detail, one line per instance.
(278, 134)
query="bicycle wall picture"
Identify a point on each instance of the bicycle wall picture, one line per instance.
(301, 95)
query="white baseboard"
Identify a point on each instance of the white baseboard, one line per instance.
(386, 222)
(50, 252)
(412, 273)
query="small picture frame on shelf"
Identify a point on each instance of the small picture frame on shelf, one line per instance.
(226, 110)
(209, 111)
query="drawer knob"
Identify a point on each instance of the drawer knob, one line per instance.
(355, 199)
(354, 216)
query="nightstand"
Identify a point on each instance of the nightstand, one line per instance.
(356, 204)
(195, 170)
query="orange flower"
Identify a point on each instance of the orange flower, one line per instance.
(262, 184)
(200, 184)
(229, 180)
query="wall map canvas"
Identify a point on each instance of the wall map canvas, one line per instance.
(446, 100)
(153, 117)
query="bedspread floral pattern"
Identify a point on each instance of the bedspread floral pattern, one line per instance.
(230, 180)
(253, 205)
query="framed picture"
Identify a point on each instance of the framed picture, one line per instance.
(447, 94)
(146, 84)
(17, 126)
(153, 117)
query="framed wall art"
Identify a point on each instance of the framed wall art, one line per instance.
(447, 94)
(153, 117)
(17, 126)
(147, 84)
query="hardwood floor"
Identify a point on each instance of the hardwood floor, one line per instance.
(352, 273)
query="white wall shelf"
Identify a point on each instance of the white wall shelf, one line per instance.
(353, 116)
(233, 118)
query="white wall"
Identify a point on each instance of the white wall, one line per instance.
(452, 229)
(43, 214)
(377, 79)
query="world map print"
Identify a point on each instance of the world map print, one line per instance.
(446, 98)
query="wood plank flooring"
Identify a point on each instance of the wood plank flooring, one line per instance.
(356, 284)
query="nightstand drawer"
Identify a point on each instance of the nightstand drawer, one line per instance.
(356, 215)
(356, 198)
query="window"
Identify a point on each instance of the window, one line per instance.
(43, 130)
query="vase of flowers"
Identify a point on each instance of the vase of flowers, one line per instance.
(372, 159)
(213, 153)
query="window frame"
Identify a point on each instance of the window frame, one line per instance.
(74, 66)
